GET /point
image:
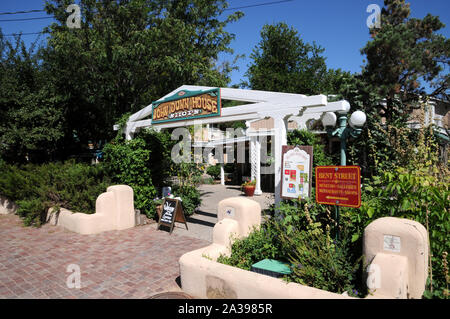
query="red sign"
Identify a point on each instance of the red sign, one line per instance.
(338, 185)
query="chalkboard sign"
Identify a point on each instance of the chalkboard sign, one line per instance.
(171, 212)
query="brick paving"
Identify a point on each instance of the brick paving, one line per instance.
(134, 263)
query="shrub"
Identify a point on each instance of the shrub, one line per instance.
(304, 137)
(318, 261)
(190, 198)
(260, 244)
(128, 162)
(295, 236)
(214, 171)
(248, 183)
(414, 186)
(35, 188)
(422, 196)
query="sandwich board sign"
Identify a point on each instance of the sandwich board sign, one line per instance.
(172, 212)
(296, 171)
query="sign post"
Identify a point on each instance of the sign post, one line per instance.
(339, 186)
(172, 212)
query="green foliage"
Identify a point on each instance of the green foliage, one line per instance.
(418, 195)
(128, 163)
(35, 188)
(283, 62)
(403, 52)
(318, 261)
(304, 137)
(301, 236)
(249, 183)
(214, 171)
(125, 55)
(190, 198)
(31, 122)
(129, 53)
(260, 244)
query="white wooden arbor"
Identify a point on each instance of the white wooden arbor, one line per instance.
(261, 105)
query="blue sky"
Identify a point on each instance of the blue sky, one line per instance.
(338, 26)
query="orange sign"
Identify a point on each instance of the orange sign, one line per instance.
(338, 185)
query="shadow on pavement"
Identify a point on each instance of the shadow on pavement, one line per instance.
(198, 221)
(200, 212)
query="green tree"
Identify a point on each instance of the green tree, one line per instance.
(129, 53)
(405, 55)
(283, 62)
(31, 122)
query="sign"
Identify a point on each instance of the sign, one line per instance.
(296, 171)
(187, 105)
(392, 243)
(172, 212)
(338, 185)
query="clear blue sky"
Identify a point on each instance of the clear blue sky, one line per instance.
(339, 26)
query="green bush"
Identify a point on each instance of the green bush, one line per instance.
(35, 188)
(214, 171)
(190, 198)
(318, 261)
(304, 137)
(421, 195)
(260, 244)
(295, 236)
(128, 163)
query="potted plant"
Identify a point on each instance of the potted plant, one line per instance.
(249, 188)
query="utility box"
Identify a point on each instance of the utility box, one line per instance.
(272, 268)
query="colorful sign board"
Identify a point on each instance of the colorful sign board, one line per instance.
(296, 171)
(187, 105)
(338, 185)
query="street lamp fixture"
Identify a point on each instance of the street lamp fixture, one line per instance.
(356, 122)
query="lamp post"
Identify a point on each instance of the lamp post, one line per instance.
(356, 122)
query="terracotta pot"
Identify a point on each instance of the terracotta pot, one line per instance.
(249, 190)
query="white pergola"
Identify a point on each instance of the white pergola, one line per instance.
(260, 105)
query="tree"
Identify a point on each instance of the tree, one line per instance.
(403, 53)
(129, 53)
(283, 62)
(31, 123)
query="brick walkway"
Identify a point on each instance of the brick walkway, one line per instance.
(134, 263)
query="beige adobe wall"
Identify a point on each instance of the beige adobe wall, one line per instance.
(399, 249)
(399, 271)
(114, 210)
(203, 277)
